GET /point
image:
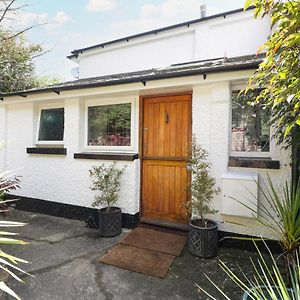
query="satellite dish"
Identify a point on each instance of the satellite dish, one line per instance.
(75, 72)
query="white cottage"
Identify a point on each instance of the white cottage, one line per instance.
(138, 101)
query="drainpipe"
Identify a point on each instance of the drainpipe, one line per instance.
(296, 156)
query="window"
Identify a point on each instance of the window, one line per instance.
(51, 126)
(250, 130)
(110, 125)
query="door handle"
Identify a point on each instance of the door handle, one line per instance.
(145, 140)
(166, 117)
(189, 168)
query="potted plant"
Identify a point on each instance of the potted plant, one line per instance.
(106, 181)
(269, 280)
(203, 233)
(280, 216)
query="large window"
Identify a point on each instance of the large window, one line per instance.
(109, 125)
(51, 126)
(250, 131)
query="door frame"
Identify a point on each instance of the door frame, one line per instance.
(141, 143)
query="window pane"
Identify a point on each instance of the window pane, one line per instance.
(52, 125)
(250, 130)
(109, 125)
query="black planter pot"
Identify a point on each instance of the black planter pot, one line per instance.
(110, 223)
(248, 295)
(203, 241)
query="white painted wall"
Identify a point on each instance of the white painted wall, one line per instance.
(236, 35)
(160, 52)
(211, 126)
(59, 178)
(65, 179)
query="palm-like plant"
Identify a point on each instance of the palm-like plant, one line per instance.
(268, 282)
(8, 183)
(8, 263)
(280, 215)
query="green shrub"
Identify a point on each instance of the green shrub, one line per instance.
(106, 181)
(202, 187)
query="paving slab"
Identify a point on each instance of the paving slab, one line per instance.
(64, 257)
(48, 228)
(74, 280)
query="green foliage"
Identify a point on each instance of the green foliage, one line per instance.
(16, 63)
(202, 187)
(285, 206)
(279, 73)
(106, 181)
(47, 80)
(8, 183)
(8, 263)
(268, 282)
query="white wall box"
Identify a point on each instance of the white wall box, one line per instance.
(239, 191)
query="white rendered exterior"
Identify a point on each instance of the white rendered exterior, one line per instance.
(242, 186)
(236, 35)
(65, 179)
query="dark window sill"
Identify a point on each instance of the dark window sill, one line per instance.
(253, 162)
(107, 156)
(47, 151)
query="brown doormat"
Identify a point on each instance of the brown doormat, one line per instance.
(163, 242)
(138, 260)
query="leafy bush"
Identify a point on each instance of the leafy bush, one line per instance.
(106, 181)
(202, 187)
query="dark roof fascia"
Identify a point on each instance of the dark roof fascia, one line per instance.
(76, 52)
(142, 79)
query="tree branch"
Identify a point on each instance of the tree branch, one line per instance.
(7, 8)
(21, 32)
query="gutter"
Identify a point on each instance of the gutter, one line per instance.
(142, 79)
(75, 53)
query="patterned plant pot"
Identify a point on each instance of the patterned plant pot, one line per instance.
(248, 295)
(110, 223)
(203, 241)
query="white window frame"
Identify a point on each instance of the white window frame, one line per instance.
(265, 154)
(48, 143)
(121, 100)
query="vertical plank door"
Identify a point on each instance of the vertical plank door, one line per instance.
(166, 139)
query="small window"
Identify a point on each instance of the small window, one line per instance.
(51, 125)
(250, 130)
(109, 125)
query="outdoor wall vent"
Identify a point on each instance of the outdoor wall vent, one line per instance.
(242, 187)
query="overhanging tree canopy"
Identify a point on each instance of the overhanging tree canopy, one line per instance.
(279, 73)
(16, 53)
(16, 63)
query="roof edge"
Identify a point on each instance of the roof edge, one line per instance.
(75, 53)
(144, 78)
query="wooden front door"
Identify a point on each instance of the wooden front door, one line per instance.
(165, 140)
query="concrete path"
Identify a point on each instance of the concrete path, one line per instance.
(64, 260)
